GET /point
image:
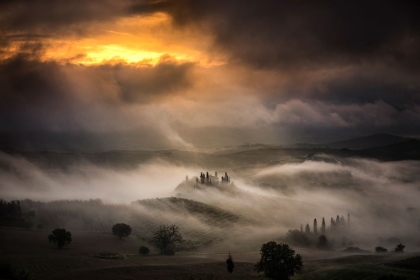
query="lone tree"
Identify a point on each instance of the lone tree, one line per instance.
(165, 237)
(278, 261)
(60, 236)
(400, 248)
(121, 230)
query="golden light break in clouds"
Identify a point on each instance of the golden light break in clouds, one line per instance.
(141, 40)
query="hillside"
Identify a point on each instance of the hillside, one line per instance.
(375, 140)
(211, 215)
(407, 150)
(200, 223)
(399, 151)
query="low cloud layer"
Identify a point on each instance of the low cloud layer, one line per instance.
(265, 201)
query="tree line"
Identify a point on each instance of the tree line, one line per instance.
(11, 215)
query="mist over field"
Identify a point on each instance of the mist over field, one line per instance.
(83, 180)
(265, 200)
(224, 125)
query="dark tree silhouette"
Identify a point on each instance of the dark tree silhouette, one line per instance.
(121, 230)
(60, 236)
(332, 223)
(229, 263)
(144, 250)
(165, 237)
(342, 221)
(298, 238)
(380, 249)
(8, 271)
(323, 226)
(11, 215)
(278, 261)
(400, 248)
(322, 243)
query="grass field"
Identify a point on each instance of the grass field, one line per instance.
(31, 251)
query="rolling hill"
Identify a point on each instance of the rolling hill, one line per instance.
(371, 141)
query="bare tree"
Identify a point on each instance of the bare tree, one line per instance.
(166, 236)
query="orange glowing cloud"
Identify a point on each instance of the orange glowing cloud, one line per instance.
(131, 40)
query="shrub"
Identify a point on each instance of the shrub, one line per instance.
(323, 243)
(380, 249)
(400, 248)
(60, 236)
(144, 250)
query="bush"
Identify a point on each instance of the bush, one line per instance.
(121, 230)
(323, 243)
(60, 236)
(380, 249)
(399, 248)
(144, 250)
(278, 261)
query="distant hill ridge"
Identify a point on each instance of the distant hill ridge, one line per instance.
(398, 151)
(367, 142)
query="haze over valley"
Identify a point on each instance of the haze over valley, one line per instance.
(183, 139)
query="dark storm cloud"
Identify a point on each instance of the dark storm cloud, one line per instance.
(351, 85)
(295, 34)
(264, 34)
(145, 84)
(26, 37)
(371, 45)
(33, 95)
(43, 95)
(56, 15)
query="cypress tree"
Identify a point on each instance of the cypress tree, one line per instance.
(323, 226)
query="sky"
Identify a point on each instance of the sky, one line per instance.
(156, 74)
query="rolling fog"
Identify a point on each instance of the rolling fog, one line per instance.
(262, 204)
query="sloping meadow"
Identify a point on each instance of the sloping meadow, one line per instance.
(262, 203)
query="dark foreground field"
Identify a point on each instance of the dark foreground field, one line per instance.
(31, 251)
